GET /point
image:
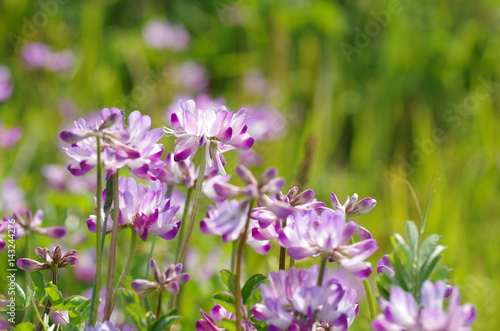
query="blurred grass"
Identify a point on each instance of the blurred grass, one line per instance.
(370, 115)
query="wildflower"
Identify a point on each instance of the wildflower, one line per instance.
(169, 281)
(39, 55)
(191, 75)
(385, 265)
(402, 312)
(217, 129)
(9, 137)
(53, 260)
(145, 209)
(218, 314)
(134, 146)
(326, 232)
(180, 173)
(5, 84)
(352, 206)
(29, 223)
(160, 34)
(265, 123)
(294, 301)
(228, 219)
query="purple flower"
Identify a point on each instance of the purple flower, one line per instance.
(294, 301)
(267, 184)
(108, 326)
(218, 129)
(326, 232)
(169, 281)
(402, 312)
(192, 76)
(12, 197)
(53, 260)
(29, 223)
(60, 179)
(9, 138)
(218, 314)
(146, 209)
(385, 265)
(228, 219)
(5, 83)
(352, 206)
(180, 173)
(134, 147)
(160, 34)
(202, 101)
(265, 123)
(39, 55)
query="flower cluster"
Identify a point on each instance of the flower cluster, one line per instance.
(402, 311)
(145, 208)
(295, 301)
(54, 259)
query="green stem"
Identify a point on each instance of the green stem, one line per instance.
(112, 251)
(234, 250)
(128, 264)
(237, 276)
(182, 229)
(291, 263)
(369, 295)
(46, 311)
(322, 268)
(96, 288)
(282, 260)
(158, 308)
(194, 208)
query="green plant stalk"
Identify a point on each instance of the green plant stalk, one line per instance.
(237, 275)
(182, 228)
(158, 308)
(282, 259)
(194, 209)
(37, 313)
(369, 295)
(126, 268)
(234, 250)
(322, 268)
(112, 251)
(46, 311)
(96, 288)
(291, 263)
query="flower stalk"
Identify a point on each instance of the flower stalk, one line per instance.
(128, 264)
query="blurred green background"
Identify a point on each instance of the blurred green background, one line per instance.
(383, 91)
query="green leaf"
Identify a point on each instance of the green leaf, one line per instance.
(24, 327)
(39, 285)
(227, 324)
(412, 235)
(71, 327)
(251, 285)
(20, 296)
(54, 295)
(137, 315)
(227, 277)
(165, 322)
(224, 297)
(75, 302)
(128, 296)
(431, 264)
(426, 249)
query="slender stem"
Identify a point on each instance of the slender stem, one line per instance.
(112, 251)
(322, 268)
(282, 261)
(96, 288)
(153, 241)
(185, 214)
(237, 276)
(46, 311)
(37, 313)
(158, 308)
(369, 295)
(128, 264)
(194, 208)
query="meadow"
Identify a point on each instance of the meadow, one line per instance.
(394, 100)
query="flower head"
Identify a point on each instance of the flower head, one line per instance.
(145, 208)
(160, 34)
(134, 146)
(294, 301)
(352, 206)
(326, 232)
(54, 259)
(403, 312)
(29, 223)
(9, 137)
(39, 55)
(169, 281)
(218, 129)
